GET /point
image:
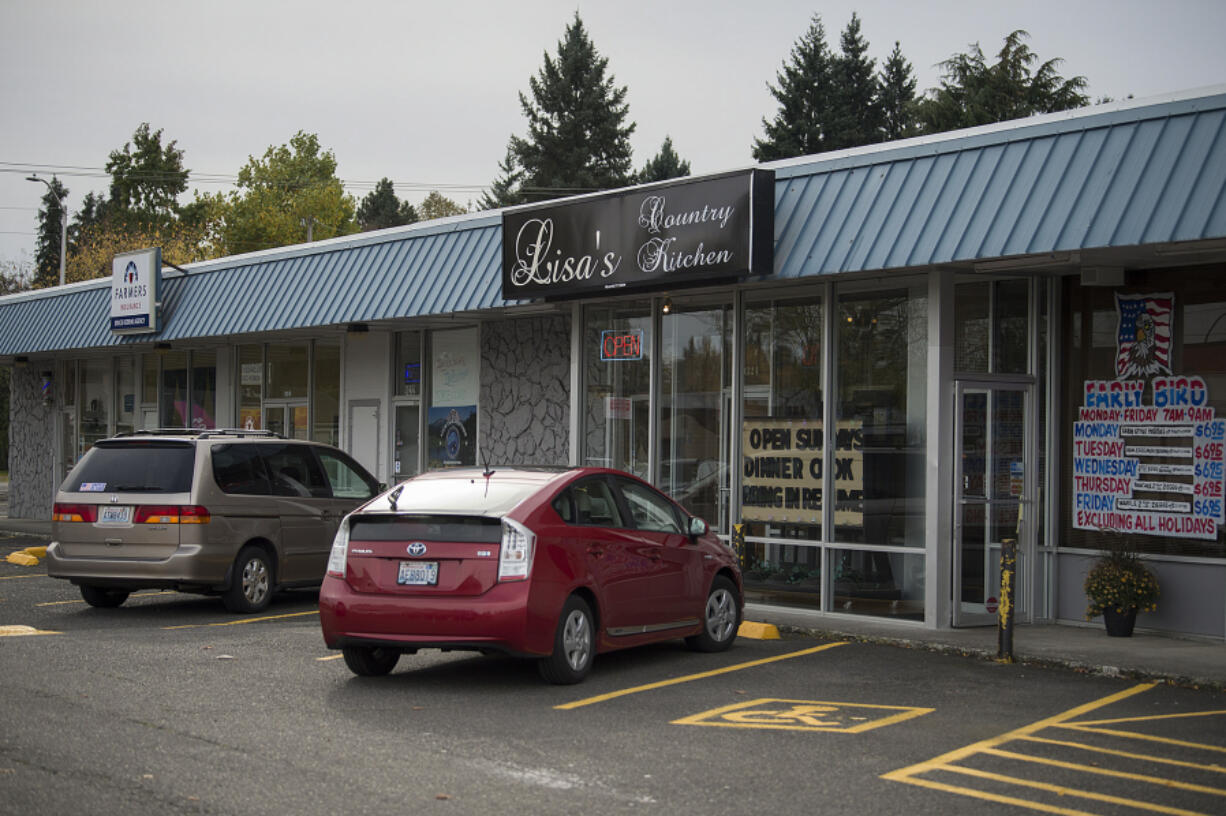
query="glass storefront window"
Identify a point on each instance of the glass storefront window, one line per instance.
(204, 389)
(1010, 327)
(125, 396)
(971, 329)
(407, 376)
(782, 423)
(250, 386)
(406, 454)
(694, 409)
(95, 399)
(617, 381)
(1178, 321)
(326, 399)
(880, 450)
(174, 387)
(287, 371)
(871, 582)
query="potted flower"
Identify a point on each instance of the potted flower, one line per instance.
(1118, 586)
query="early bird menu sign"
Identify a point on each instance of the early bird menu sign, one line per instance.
(657, 236)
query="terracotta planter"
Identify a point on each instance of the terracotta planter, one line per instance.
(1119, 624)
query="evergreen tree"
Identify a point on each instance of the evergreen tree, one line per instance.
(146, 178)
(804, 96)
(855, 106)
(664, 165)
(974, 93)
(381, 209)
(50, 224)
(897, 97)
(578, 139)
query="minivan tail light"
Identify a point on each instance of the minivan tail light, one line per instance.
(515, 554)
(74, 512)
(340, 550)
(171, 514)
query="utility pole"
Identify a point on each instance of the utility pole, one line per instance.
(309, 223)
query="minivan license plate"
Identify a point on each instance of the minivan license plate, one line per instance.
(418, 573)
(115, 514)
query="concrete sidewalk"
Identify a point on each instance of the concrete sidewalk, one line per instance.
(1185, 661)
(1080, 648)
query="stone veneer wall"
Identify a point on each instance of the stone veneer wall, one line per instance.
(525, 391)
(31, 447)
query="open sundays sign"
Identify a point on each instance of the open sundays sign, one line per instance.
(715, 227)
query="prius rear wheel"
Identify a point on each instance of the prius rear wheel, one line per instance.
(370, 661)
(574, 645)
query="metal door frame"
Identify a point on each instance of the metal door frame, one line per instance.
(1023, 611)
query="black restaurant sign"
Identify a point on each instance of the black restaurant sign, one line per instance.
(711, 228)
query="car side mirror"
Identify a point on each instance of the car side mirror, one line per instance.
(698, 527)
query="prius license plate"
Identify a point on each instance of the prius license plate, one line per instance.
(418, 573)
(115, 514)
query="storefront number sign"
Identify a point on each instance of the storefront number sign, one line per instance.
(1149, 463)
(782, 469)
(693, 230)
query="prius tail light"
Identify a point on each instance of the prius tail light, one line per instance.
(340, 551)
(515, 554)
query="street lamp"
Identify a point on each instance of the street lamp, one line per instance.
(63, 222)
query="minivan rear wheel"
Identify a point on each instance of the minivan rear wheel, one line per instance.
(251, 582)
(102, 597)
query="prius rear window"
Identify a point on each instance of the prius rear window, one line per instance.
(466, 529)
(149, 468)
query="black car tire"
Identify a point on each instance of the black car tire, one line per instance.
(574, 645)
(103, 598)
(370, 661)
(721, 618)
(251, 582)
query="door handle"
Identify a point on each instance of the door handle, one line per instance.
(595, 552)
(655, 554)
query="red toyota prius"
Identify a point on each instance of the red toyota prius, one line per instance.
(556, 564)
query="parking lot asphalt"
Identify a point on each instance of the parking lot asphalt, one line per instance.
(1086, 649)
(171, 704)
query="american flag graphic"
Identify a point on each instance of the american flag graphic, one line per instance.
(1143, 343)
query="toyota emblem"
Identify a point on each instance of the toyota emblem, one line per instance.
(416, 548)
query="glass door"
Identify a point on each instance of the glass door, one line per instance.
(992, 490)
(287, 419)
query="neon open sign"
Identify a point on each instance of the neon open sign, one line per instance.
(624, 344)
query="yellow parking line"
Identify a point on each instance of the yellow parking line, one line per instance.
(700, 676)
(329, 657)
(244, 620)
(14, 577)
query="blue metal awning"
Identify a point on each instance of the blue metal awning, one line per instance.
(1132, 174)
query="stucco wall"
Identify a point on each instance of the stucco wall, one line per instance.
(525, 391)
(31, 448)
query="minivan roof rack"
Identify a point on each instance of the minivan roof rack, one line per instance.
(199, 433)
(211, 432)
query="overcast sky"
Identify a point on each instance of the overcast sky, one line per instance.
(426, 93)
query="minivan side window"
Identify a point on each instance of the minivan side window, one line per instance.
(348, 482)
(295, 471)
(240, 469)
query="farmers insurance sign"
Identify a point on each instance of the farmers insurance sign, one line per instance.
(650, 237)
(136, 278)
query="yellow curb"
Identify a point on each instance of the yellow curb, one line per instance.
(20, 631)
(37, 552)
(758, 631)
(22, 559)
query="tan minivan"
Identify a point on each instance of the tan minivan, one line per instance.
(235, 513)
